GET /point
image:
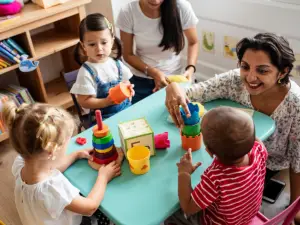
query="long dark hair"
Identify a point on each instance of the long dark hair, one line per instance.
(95, 22)
(171, 25)
(277, 47)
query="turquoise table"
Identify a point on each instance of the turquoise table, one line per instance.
(148, 199)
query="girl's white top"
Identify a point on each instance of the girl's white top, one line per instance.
(44, 203)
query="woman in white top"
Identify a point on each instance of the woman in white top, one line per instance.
(158, 28)
(261, 83)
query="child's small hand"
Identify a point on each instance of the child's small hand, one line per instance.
(85, 154)
(130, 86)
(186, 163)
(110, 171)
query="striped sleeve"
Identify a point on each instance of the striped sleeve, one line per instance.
(205, 193)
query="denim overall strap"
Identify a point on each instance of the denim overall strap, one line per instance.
(119, 70)
(92, 73)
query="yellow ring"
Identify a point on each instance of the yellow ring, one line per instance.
(103, 151)
(1, 223)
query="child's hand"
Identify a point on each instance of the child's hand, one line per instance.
(110, 171)
(186, 163)
(130, 86)
(109, 101)
(85, 154)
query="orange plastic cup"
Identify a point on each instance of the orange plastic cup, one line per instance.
(119, 93)
(191, 142)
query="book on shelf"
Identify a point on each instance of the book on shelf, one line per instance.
(15, 46)
(17, 94)
(10, 53)
(6, 46)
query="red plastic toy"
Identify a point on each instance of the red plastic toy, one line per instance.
(161, 141)
(81, 141)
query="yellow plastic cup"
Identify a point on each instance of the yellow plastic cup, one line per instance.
(139, 159)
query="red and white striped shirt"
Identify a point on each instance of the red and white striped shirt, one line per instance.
(232, 195)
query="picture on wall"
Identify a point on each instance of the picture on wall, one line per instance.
(296, 70)
(208, 41)
(230, 47)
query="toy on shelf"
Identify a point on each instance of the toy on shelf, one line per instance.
(119, 93)
(191, 131)
(10, 8)
(161, 141)
(136, 133)
(105, 150)
(139, 159)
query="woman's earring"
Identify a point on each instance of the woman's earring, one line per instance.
(279, 81)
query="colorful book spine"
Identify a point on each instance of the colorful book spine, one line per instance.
(22, 92)
(6, 58)
(2, 64)
(14, 45)
(9, 55)
(3, 61)
(7, 48)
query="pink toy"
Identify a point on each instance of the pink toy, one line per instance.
(10, 9)
(161, 141)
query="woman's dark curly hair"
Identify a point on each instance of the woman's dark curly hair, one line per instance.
(277, 47)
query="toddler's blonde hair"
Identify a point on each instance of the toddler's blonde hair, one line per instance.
(34, 128)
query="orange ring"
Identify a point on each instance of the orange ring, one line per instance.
(100, 133)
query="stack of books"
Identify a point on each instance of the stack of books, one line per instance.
(10, 53)
(17, 94)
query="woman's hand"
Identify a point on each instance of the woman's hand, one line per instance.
(189, 73)
(175, 97)
(160, 79)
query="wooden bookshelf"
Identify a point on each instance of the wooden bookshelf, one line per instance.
(3, 136)
(52, 41)
(58, 93)
(63, 21)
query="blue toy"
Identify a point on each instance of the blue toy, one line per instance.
(194, 118)
(27, 65)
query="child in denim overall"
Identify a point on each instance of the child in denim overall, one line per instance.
(99, 71)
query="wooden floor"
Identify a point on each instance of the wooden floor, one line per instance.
(8, 211)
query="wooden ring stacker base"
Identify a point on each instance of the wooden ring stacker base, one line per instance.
(100, 133)
(97, 166)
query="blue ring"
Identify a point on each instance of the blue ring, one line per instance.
(103, 146)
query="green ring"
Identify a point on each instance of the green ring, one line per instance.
(191, 130)
(103, 140)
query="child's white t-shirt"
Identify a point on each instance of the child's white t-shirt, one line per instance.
(44, 203)
(106, 72)
(148, 35)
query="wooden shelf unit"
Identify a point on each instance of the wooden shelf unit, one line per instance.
(62, 36)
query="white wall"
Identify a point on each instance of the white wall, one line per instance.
(238, 18)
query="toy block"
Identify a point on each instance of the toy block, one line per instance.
(136, 133)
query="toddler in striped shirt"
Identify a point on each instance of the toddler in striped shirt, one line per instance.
(231, 188)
